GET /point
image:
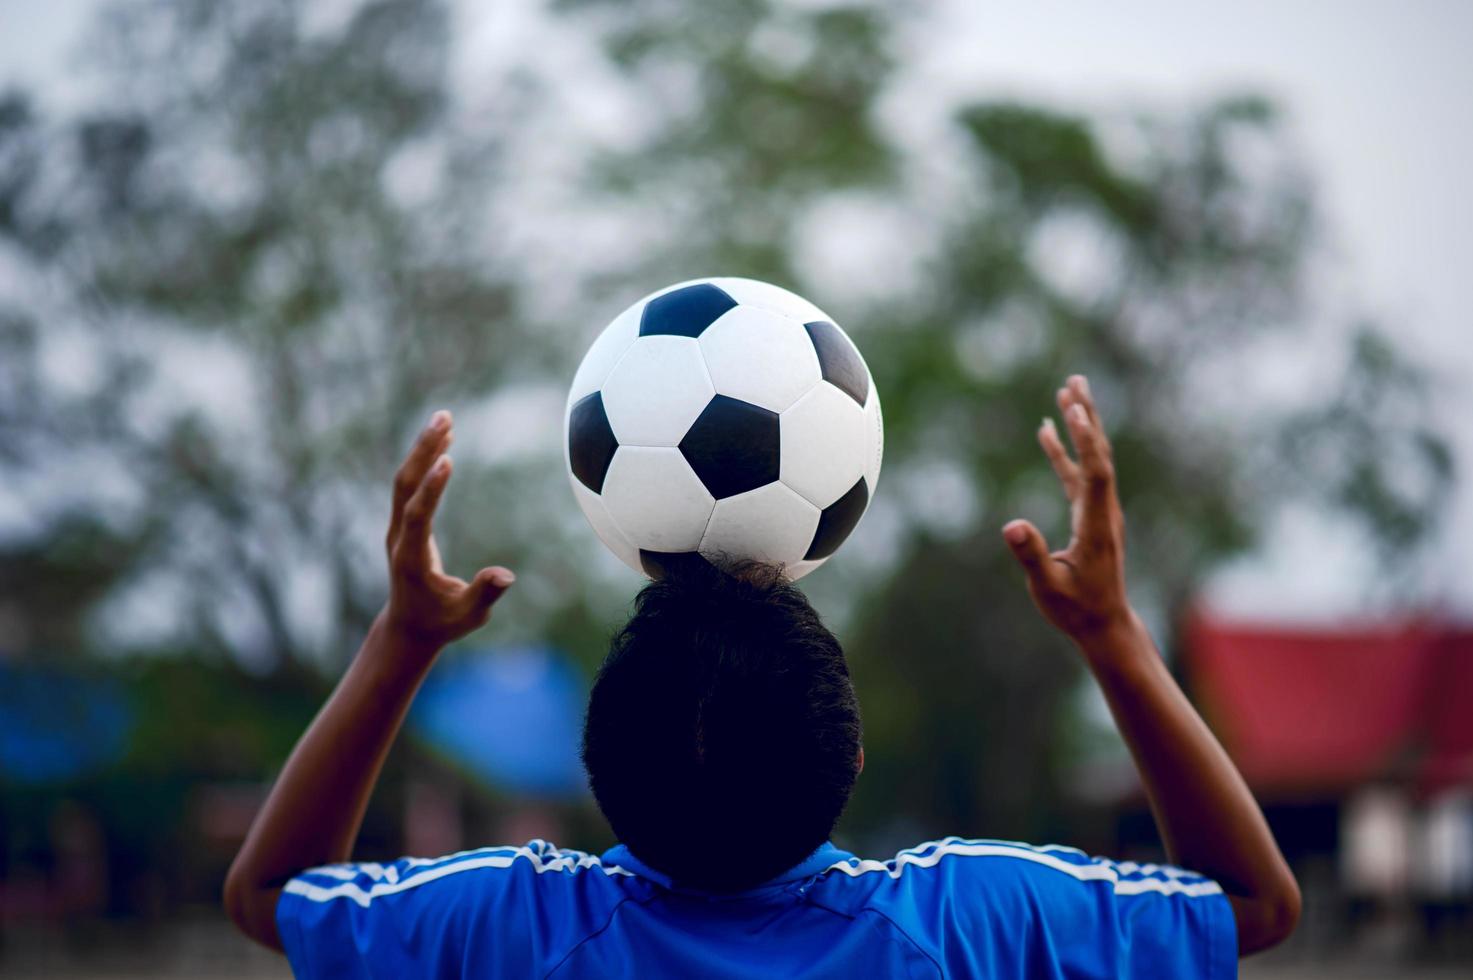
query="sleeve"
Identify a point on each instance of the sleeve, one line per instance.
(1096, 917)
(1057, 912)
(422, 917)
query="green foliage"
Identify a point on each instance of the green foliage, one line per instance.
(1197, 246)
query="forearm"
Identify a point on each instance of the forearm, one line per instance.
(314, 811)
(1206, 814)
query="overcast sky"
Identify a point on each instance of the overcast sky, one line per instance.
(1378, 100)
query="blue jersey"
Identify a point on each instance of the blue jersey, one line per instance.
(951, 908)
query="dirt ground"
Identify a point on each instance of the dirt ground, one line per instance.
(206, 948)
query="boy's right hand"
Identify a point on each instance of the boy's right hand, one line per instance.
(1080, 589)
(427, 607)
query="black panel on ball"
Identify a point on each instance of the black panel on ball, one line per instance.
(733, 447)
(591, 442)
(684, 312)
(842, 366)
(837, 520)
(659, 564)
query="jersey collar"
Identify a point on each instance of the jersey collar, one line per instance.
(825, 856)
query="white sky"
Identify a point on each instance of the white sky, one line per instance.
(1379, 98)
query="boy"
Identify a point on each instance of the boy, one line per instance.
(722, 742)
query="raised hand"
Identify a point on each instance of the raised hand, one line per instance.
(1081, 588)
(425, 604)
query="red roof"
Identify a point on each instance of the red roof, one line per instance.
(1320, 710)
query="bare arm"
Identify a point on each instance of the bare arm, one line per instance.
(314, 811)
(1206, 815)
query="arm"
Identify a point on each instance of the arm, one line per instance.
(1205, 813)
(313, 813)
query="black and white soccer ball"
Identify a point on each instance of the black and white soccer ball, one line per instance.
(723, 418)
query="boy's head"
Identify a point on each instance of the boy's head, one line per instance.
(722, 723)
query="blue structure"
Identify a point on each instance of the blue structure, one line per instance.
(512, 716)
(56, 726)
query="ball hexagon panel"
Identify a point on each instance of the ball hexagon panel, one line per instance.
(874, 440)
(842, 365)
(733, 447)
(770, 524)
(775, 299)
(604, 526)
(798, 569)
(658, 564)
(684, 311)
(655, 499)
(605, 352)
(823, 444)
(760, 357)
(656, 391)
(837, 520)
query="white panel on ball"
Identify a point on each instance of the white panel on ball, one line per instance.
(823, 445)
(656, 500)
(765, 296)
(656, 391)
(874, 439)
(760, 357)
(799, 569)
(604, 527)
(605, 352)
(770, 524)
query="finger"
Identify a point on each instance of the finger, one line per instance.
(1097, 473)
(1032, 552)
(1064, 467)
(1064, 398)
(1067, 398)
(488, 586)
(412, 550)
(1078, 387)
(430, 445)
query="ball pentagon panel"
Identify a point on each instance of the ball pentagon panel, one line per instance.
(590, 442)
(837, 521)
(775, 299)
(733, 447)
(840, 361)
(685, 311)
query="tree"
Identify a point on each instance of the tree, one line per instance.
(1149, 251)
(262, 307)
(280, 240)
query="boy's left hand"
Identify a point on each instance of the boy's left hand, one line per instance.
(427, 606)
(1080, 588)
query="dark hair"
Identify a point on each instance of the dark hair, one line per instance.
(723, 722)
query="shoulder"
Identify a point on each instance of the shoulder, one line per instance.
(1025, 905)
(412, 910)
(483, 870)
(1000, 865)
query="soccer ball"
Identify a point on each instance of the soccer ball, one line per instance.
(723, 419)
